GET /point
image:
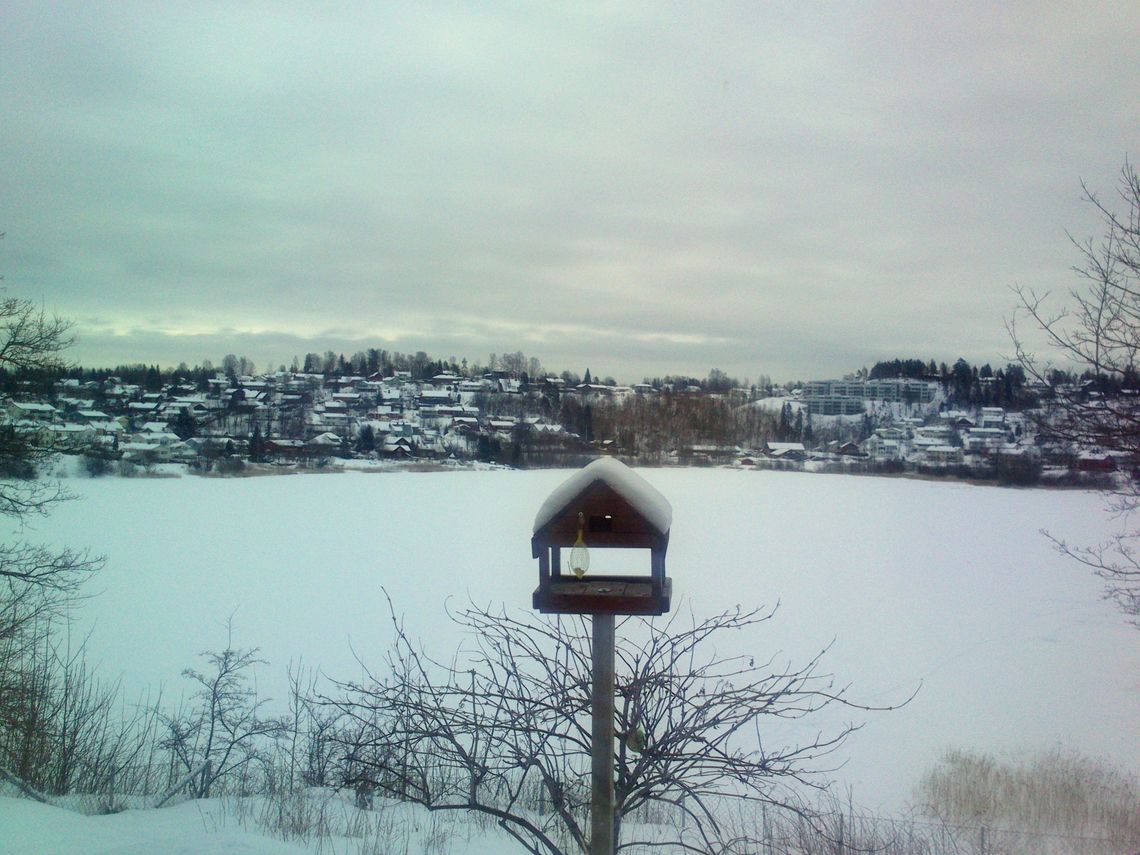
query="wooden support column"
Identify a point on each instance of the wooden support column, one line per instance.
(602, 737)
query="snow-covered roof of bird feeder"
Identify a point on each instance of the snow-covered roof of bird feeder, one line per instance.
(605, 505)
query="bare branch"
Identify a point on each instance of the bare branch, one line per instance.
(1097, 332)
(30, 339)
(502, 728)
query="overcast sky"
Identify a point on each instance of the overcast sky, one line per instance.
(795, 189)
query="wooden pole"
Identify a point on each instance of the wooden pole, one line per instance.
(602, 738)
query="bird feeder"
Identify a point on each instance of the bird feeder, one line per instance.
(603, 506)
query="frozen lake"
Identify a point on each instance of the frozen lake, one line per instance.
(944, 585)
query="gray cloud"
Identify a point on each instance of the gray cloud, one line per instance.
(656, 189)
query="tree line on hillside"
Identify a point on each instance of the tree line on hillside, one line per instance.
(963, 384)
(687, 419)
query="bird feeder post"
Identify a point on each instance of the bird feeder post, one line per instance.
(605, 505)
(602, 737)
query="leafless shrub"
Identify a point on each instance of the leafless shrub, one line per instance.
(220, 738)
(503, 729)
(1056, 791)
(64, 731)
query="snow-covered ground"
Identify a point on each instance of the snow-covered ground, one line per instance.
(191, 828)
(234, 826)
(946, 586)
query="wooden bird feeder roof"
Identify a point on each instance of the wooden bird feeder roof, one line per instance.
(614, 507)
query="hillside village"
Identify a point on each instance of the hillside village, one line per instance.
(292, 418)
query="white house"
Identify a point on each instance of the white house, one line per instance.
(944, 455)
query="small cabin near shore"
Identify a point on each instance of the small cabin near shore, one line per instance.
(605, 505)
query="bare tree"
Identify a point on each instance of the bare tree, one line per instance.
(32, 340)
(503, 728)
(62, 730)
(1097, 333)
(30, 346)
(222, 733)
(36, 582)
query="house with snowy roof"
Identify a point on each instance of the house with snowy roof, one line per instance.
(940, 432)
(148, 451)
(920, 444)
(157, 434)
(140, 409)
(30, 411)
(501, 425)
(992, 417)
(398, 446)
(72, 434)
(785, 450)
(69, 404)
(984, 440)
(109, 428)
(884, 445)
(943, 455)
(429, 397)
(285, 449)
(327, 442)
(89, 416)
(1095, 461)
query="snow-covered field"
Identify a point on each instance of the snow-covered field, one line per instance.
(945, 586)
(234, 826)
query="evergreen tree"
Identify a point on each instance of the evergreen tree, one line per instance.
(184, 425)
(153, 381)
(962, 378)
(366, 440)
(256, 444)
(784, 428)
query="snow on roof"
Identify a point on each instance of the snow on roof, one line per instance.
(785, 447)
(644, 497)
